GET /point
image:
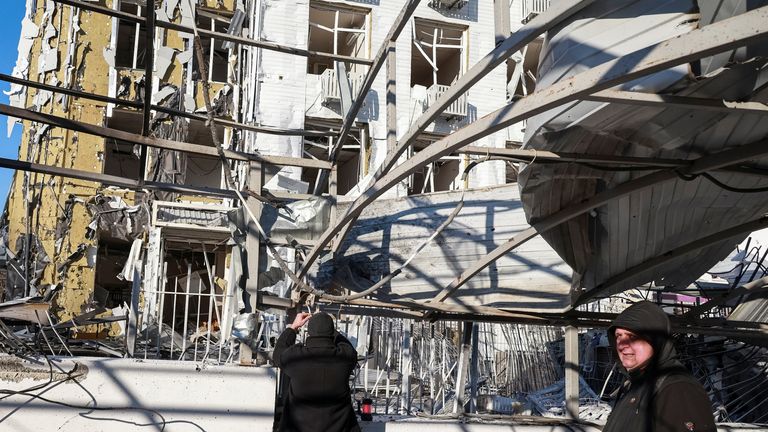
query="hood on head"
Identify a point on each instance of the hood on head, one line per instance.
(648, 321)
(321, 325)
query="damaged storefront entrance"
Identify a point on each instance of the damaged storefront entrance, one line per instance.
(187, 294)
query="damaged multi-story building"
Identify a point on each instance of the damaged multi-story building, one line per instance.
(191, 171)
(274, 106)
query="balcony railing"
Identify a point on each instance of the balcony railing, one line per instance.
(330, 86)
(457, 108)
(531, 8)
(448, 4)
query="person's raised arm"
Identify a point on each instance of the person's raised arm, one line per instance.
(288, 337)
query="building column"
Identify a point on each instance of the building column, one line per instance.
(572, 372)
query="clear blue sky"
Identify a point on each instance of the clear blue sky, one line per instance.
(10, 27)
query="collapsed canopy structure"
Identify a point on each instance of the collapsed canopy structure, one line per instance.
(384, 158)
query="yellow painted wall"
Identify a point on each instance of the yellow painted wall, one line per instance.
(61, 147)
(64, 148)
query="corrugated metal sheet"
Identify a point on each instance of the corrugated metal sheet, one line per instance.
(754, 309)
(650, 222)
(532, 278)
(192, 216)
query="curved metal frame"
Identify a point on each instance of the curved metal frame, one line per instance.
(741, 30)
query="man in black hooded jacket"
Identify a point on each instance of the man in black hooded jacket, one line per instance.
(318, 396)
(659, 395)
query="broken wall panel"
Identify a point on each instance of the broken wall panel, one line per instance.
(29, 31)
(36, 201)
(110, 262)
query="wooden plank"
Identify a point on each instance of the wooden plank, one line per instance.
(25, 311)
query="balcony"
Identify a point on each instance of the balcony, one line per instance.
(457, 108)
(330, 86)
(531, 8)
(448, 4)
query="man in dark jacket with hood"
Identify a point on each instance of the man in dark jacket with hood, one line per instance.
(318, 396)
(660, 395)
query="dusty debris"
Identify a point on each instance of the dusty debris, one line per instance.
(113, 216)
(15, 369)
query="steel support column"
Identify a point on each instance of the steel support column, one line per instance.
(501, 20)
(571, 372)
(463, 367)
(149, 66)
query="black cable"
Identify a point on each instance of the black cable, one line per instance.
(621, 169)
(686, 177)
(10, 393)
(69, 376)
(711, 178)
(91, 408)
(50, 372)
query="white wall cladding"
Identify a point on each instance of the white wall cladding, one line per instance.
(282, 100)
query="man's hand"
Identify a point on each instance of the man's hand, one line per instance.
(300, 320)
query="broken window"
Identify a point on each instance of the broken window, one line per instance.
(353, 162)
(438, 53)
(121, 158)
(443, 174)
(213, 51)
(167, 166)
(187, 305)
(336, 29)
(191, 309)
(110, 262)
(522, 68)
(131, 38)
(202, 170)
(438, 59)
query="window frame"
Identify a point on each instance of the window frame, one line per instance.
(136, 31)
(209, 44)
(338, 31)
